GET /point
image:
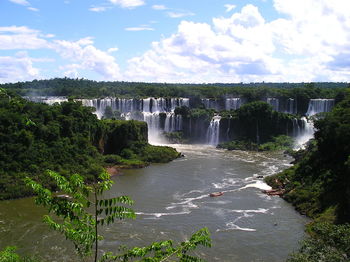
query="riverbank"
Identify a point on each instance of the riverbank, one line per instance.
(172, 201)
(318, 185)
(66, 138)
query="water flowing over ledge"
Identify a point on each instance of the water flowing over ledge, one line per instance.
(159, 113)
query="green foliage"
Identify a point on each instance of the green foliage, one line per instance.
(81, 226)
(140, 154)
(158, 154)
(253, 91)
(198, 113)
(175, 137)
(164, 250)
(320, 181)
(327, 243)
(277, 143)
(281, 142)
(112, 159)
(35, 137)
(66, 138)
(9, 255)
(77, 224)
(121, 134)
(110, 114)
(239, 145)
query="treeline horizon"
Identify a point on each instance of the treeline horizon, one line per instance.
(84, 88)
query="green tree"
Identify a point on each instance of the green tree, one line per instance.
(81, 226)
(328, 243)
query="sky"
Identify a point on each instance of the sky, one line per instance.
(176, 41)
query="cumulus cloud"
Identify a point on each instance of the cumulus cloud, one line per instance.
(229, 7)
(112, 49)
(128, 3)
(310, 43)
(89, 57)
(20, 67)
(83, 54)
(21, 37)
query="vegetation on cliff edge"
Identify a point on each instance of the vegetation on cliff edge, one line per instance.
(318, 185)
(67, 138)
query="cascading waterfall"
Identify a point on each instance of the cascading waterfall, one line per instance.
(274, 102)
(291, 107)
(147, 109)
(296, 128)
(50, 100)
(306, 132)
(172, 122)
(213, 132)
(150, 110)
(210, 103)
(232, 103)
(319, 106)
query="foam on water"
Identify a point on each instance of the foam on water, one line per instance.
(233, 226)
(258, 184)
(226, 182)
(260, 210)
(158, 215)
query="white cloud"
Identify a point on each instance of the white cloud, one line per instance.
(47, 35)
(25, 3)
(20, 2)
(71, 70)
(88, 57)
(18, 29)
(229, 7)
(33, 9)
(139, 28)
(179, 14)
(21, 37)
(128, 3)
(98, 9)
(18, 68)
(159, 7)
(311, 43)
(81, 52)
(112, 50)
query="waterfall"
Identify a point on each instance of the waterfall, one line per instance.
(232, 103)
(50, 100)
(291, 107)
(214, 131)
(274, 102)
(306, 132)
(173, 122)
(319, 105)
(147, 109)
(146, 105)
(210, 103)
(296, 128)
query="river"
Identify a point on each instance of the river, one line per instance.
(172, 202)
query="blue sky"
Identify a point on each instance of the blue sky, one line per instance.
(198, 41)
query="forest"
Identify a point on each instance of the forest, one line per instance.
(66, 138)
(83, 88)
(318, 185)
